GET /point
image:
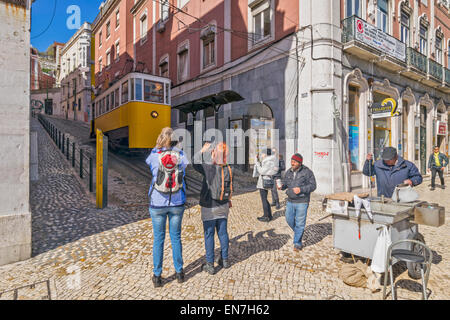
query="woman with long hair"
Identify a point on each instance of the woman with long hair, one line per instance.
(215, 200)
(167, 195)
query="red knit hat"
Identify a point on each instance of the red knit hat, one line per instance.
(297, 157)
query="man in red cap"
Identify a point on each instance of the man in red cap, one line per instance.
(299, 181)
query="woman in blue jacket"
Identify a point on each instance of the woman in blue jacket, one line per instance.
(165, 205)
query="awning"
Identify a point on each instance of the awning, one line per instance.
(214, 100)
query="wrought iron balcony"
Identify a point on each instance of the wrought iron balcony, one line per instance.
(348, 29)
(416, 59)
(435, 69)
(447, 76)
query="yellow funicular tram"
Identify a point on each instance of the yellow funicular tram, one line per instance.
(133, 110)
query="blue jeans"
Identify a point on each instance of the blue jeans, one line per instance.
(209, 227)
(296, 219)
(159, 217)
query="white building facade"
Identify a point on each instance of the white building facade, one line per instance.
(75, 76)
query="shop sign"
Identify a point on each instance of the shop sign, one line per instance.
(441, 128)
(387, 108)
(379, 40)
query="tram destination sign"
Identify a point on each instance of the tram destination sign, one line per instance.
(379, 40)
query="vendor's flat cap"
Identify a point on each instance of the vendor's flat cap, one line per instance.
(389, 153)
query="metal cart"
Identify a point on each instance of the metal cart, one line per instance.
(358, 236)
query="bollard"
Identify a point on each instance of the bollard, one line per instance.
(73, 154)
(91, 175)
(81, 163)
(67, 150)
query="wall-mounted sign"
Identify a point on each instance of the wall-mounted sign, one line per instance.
(387, 108)
(442, 128)
(380, 40)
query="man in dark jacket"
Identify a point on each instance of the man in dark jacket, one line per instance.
(299, 181)
(437, 163)
(391, 171)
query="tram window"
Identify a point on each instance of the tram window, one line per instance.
(107, 103)
(117, 97)
(138, 89)
(112, 100)
(167, 94)
(153, 91)
(132, 89)
(125, 92)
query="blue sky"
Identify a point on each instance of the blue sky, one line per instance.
(42, 18)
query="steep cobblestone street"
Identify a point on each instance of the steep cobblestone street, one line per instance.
(87, 253)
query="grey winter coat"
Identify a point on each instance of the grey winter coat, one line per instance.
(267, 167)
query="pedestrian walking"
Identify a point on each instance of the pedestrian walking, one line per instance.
(299, 181)
(167, 195)
(266, 167)
(215, 200)
(277, 176)
(436, 164)
(391, 170)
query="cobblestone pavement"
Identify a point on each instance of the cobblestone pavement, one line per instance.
(80, 252)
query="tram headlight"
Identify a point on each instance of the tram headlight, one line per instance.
(154, 114)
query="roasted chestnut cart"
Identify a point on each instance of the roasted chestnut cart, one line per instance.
(358, 235)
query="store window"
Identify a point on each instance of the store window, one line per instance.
(153, 91)
(383, 15)
(423, 139)
(404, 27)
(353, 8)
(381, 128)
(182, 117)
(353, 128)
(423, 35)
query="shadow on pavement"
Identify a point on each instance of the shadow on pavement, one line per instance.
(240, 251)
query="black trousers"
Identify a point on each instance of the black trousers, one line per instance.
(275, 198)
(265, 203)
(433, 176)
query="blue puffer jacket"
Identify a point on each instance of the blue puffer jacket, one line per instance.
(160, 200)
(389, 177)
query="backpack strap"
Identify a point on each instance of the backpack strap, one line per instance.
(223, 185)
(231, 181)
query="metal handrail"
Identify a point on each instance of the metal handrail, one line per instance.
(435, 69)
(416, 59)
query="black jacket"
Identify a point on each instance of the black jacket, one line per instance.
(281, 168)
(208, 171)
(303, 179)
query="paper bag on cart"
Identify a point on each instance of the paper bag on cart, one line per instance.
(380, 251)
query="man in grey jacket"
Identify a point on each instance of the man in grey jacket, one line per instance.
(299, 181)
(266, 168)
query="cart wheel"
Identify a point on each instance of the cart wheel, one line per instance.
(414, 268)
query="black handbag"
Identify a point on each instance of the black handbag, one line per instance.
(268, 182)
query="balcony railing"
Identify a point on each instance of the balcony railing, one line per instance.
(348, 29)
(355, 28)
(447, 75)
(416, 59)
(435, 69)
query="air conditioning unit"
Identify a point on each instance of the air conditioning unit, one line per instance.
(161, 26)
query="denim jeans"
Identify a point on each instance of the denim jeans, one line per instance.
(296, 219)
(275, 198)
(159, 218)
(209, 227)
